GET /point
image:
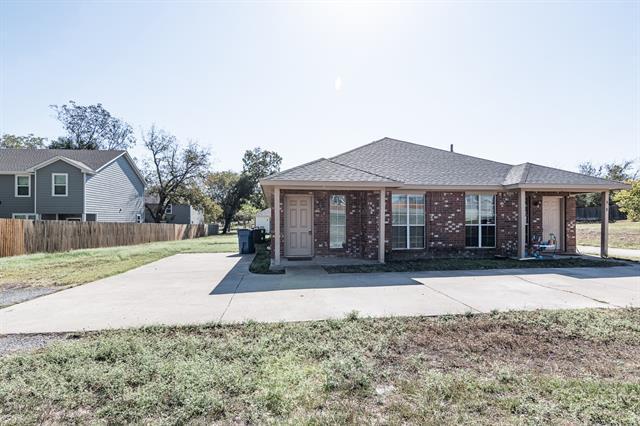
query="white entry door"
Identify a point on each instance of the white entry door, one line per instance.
(298, 233)
(552, 222)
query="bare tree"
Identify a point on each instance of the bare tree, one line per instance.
(172, 169)
(91, 127)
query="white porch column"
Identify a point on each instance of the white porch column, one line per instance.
(276, 220)
(604, 225)
(522, 230)
(381, 235)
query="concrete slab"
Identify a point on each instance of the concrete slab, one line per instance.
(205, 288)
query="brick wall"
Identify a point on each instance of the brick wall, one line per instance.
(362, 232)
(507, 223)
(444, 218)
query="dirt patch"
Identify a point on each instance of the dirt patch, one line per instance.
(483, 345)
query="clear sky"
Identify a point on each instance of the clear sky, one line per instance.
(550, 83)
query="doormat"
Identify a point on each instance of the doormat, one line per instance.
(293, 259)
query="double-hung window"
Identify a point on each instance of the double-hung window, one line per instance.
(407, 211)
(337, 221)
(23, 186)
(59, 184)
(480, 220)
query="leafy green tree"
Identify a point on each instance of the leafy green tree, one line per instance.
(258, 164)
(29, 141)
(91, 127)
(246, 214)
(629, 201)
(195, 195)
(172, 170)
(229, 190)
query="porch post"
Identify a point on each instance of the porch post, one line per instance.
(522, 232)
(604, 224)
(382, 227)
(276, 220)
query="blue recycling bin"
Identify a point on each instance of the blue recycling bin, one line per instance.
(245, 241)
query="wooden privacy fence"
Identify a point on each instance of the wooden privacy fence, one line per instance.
(27, 236)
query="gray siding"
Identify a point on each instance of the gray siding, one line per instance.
(116, 193)
(180, 214)
(71, 204)
(10, 204)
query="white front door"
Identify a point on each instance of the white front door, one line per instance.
(552, 219)
(298, 233)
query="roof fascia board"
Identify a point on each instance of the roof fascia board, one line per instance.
(24, 172)
(561, 187)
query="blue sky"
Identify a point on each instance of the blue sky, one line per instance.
(550, 83)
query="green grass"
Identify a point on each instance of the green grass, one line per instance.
(622, 234)
(559, 367)
(82, 266)
(469, 264)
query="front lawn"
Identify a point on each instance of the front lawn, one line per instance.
(622, 234)
(468, 264)
(559, 367)
(82, 266)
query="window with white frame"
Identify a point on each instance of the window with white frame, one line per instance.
(59, 184)
(480, 220)
(138, 218)
(407, 211)
(337, 221)
(23, 186)
(168, 209)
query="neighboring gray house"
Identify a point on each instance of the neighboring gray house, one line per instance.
(66, 184)
(175, 213)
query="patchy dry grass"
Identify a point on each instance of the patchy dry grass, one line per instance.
(82, 266)
(622, 234)
(562, 367)
(469, 264)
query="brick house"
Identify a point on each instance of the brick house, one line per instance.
(430, 203)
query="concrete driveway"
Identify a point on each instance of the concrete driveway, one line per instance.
(203, 288)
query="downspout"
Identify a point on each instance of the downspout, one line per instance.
(35, 193)
(84, 197)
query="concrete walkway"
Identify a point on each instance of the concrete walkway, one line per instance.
(613, 252)
(203, 288)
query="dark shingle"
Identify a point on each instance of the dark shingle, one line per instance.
(395, 161)
(19, 160)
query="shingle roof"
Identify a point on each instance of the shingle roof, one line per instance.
(328, 171)
(394, 161)
(19, 160)
(529, 173)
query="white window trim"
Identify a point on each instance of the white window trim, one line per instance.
(27, 215)
(138, 218)
(53, 184)
(16, 186)
(344, 242)
(168, 209)
(408, 225)
(479, 225)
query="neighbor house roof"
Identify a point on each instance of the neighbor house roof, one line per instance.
(391, 162)
(21, 160)
(16, 160)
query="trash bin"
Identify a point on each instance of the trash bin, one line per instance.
(245, 241)
(258, 235)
